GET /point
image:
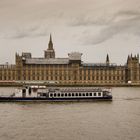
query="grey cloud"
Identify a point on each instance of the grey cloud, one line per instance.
(128, 13)
(84, 20)
(88, 20)
(34, 31)
(119, 25)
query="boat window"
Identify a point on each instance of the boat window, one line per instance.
(90, 94)
(76, 94)
(99, 94)
(72, 94)
(51, 95)
(83, 94)
(30, 90)
(44, 94)
(62, 94)
(95, 94)
(23, 90)
(69, 94)
(79, 94)
(66, 94)
(54, 94)
(58, 94)
(86, 94)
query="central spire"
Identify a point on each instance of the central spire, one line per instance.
(50, 53)
(107, 59)
(50, 38)
(50, 45)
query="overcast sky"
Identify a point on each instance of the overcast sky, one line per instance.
(93, 27)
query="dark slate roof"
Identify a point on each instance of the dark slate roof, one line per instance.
(47, 61)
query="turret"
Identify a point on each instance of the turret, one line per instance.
(50, 53)
(107, 60)
(50, 45)
(133, 68)
(128, 58)
(138, 57)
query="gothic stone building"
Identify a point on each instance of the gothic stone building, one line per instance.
(70, 70)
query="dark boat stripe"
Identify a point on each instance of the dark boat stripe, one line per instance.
(8, 99)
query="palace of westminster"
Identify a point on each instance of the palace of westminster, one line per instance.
(70, 70)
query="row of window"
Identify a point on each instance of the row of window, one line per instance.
(71, 71)
(72, 78)
(75, 94)
(8, 77)
(101, 78)
(98, 72)
(57, 78)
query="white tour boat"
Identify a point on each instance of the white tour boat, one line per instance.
(43, 93)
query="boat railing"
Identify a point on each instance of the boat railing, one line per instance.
(4, 95)
(81, 88)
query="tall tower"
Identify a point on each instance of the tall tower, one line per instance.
(107, 60)
(19, 66)
(133, 69)
(50, 53)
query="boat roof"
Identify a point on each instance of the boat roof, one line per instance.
(72, 89)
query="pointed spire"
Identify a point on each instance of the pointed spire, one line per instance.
(50, 38)
(50, 53)
(131, 55)
(128, 58)
(107, 59)
(138, 56)
(50, 45)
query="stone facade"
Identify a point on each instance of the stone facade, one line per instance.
(70, 70)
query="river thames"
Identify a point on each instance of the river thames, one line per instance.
(105, 120)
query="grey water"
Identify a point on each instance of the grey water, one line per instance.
(101, 120)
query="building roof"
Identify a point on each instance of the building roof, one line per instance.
(47, 61)
(98, 64)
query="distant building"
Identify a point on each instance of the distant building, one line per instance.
(70, 70)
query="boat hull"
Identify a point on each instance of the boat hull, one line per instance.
(21, 99)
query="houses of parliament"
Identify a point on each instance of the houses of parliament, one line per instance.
(69, 71)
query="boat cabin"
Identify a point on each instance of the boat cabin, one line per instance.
(30, 91)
